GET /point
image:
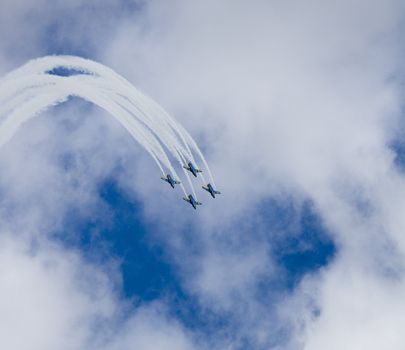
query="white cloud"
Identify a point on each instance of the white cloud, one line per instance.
(52, 298)
(290, 99)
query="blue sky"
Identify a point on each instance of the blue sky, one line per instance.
(296, 111)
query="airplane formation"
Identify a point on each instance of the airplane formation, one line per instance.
(190, 199)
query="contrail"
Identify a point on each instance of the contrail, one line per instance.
(32, 88)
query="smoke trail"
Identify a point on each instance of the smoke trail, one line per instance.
(50, 63)
(77, 86)
(31, 89)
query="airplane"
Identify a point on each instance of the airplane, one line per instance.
(211, 190)
(190, 167)
(168, 178)
(192, 201)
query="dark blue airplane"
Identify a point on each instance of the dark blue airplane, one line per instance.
(211, 190)
(168, 178)
(192, 201)
(190, 167)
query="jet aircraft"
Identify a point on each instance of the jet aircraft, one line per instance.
(168, 178)
(192, 201)
(211, 190)
(190, 167)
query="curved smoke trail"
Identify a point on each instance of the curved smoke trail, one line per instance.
(32, 88)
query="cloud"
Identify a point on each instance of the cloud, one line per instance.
(52, 298)
(51, 292)
(292, 102)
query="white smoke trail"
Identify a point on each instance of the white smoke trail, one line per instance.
(77, 86)
(47, 64)
(50, 63)
(31, 89)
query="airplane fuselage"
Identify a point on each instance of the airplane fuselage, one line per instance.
(192, 201)
(170, 180)
(211, 190)
(190, 167)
